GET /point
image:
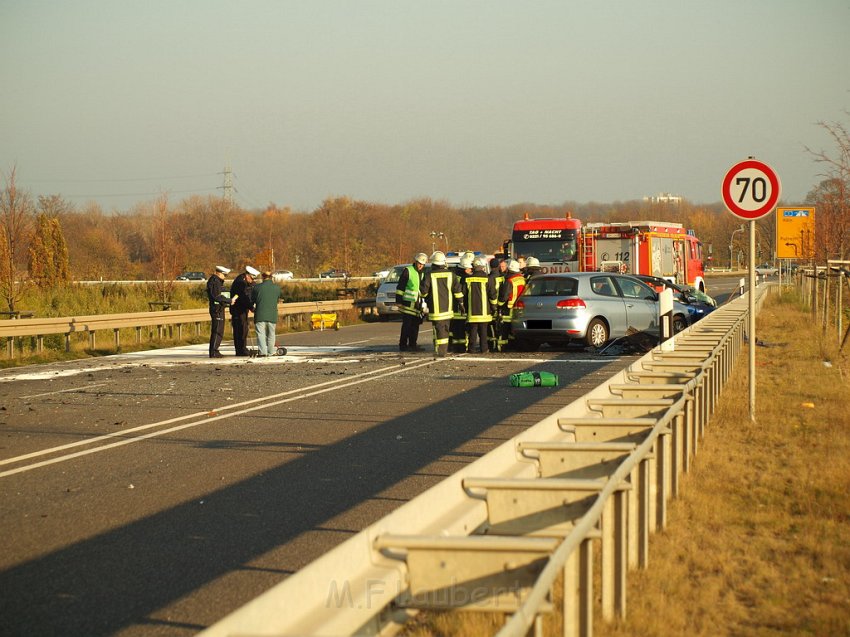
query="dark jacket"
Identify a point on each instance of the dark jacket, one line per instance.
(241, 291)
(215, 287)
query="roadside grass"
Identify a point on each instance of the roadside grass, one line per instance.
(758, 541)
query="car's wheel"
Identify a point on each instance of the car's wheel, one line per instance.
(679, 323)
(597, 333)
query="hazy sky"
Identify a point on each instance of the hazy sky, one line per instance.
(476, 103)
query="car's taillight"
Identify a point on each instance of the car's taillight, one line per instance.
(519, 304)
(573, 304)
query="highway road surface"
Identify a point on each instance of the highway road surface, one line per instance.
(153, 493)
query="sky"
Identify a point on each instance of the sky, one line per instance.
(471, 102)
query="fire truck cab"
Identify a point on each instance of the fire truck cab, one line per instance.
(656, 248)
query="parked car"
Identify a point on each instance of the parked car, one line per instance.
(593, 307)
(192, 276)
(766, 269)
(385, 302)
(282, 275)
(335, 274)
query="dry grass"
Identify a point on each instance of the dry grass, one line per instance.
(758, 542)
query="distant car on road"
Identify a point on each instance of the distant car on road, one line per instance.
(192, 276)
(766, 269)
(382, 274)
(282, 275)
(335, 274)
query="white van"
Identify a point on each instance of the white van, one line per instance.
(385, 298)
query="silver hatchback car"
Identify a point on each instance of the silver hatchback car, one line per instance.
(590, 306)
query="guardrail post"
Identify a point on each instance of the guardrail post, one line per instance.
(643, 512)
(10, 347)
(91, 339)
(614, 556)
(138, 335)
(117, 333)
(578, 591)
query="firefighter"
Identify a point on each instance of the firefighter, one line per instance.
(457, 326)
(438, 289)
(218, 301)
(494, 330)
(240, 293)
(532, 267)
(514, 285)
(479, 293)
(409, 303)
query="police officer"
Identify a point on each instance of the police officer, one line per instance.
(218, 301)
(241, 304)
(479, 296)
(409, 302)
(439, 288)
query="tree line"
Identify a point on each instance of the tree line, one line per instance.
(48, 241)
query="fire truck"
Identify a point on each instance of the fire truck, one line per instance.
(656, 248)
(555, 242)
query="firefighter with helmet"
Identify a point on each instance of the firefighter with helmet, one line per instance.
(457, 326)
(514, 285)
(479, 292)
(410, 302)
(532, 267)
(439, 288)
(497, 277)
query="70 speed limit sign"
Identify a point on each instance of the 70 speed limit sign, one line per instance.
(750, 189)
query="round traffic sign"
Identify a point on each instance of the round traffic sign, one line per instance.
(750, 189)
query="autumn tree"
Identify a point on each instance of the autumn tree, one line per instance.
(48, 253)
(16, 212)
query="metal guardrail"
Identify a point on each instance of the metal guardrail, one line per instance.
(496, 534)
(89, 325)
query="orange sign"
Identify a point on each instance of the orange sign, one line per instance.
(795, 233)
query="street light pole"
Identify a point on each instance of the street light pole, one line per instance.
(731, 244)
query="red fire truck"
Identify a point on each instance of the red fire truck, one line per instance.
(655, 248)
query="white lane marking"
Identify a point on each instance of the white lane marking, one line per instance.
(374, 376)
(356, 342)
(64, 391)
(198, 414)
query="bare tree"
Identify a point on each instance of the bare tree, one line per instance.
(16, 213)
(165, 250)
(832, 196)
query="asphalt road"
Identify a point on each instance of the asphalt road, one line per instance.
(153, 493)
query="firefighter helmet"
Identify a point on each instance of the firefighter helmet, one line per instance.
(532, 262)
(480, 262)
(438, 258)
(466, 262)
(421, 258)
(513, 266)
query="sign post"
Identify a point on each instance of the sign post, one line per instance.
(750, 190)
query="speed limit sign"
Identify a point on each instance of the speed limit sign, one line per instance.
(750, 189)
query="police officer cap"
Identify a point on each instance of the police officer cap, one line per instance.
(513, 266)
(421, 258)
(222, 269)
(252, 271)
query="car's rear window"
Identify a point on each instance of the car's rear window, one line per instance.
(554, 286)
